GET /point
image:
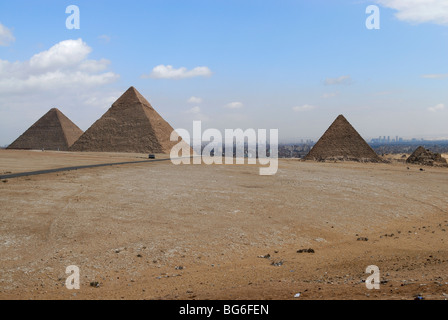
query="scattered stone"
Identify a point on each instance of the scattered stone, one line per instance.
(419, 297)
(179, 267)
(388, 235)
(425, 157)
(268, 256)
(305, 251)
(139, 256)
(362, 239)
(95, 284)
(277, 264)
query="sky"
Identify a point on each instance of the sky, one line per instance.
(291, 65)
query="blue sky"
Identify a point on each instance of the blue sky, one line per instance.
(287, 65)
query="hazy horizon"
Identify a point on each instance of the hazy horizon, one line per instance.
(290, 65)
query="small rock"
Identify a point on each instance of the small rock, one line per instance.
(362, 239)
(277, 264)
(305, 251)
(95, 284)
(419, 297)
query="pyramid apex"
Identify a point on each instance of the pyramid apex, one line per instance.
(132, 89)
(131, 96)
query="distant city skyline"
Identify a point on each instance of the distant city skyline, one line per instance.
(293, 65)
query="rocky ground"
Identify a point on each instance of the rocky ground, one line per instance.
(159, 231)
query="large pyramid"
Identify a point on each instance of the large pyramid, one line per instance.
(130, 125)
(342, 142)
(54, 131)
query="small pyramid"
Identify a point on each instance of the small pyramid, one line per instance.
(54, 131)
(425, 157)
(130, 125)
(342, 142)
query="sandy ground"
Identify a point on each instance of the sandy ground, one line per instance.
(159, 231)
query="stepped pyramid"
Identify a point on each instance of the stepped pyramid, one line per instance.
(54, 131)
(427, 158)
(130, 125)
(342, 142)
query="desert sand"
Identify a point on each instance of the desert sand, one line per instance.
(160, 231)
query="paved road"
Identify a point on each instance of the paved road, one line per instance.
(35, 173)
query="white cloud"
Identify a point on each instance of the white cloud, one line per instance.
(194, 100)
(338, 81)
(419, 11)
(168, 72)
(438, 107)
(303, 108)
(234, 105)
(6, 36)
(194, 110)
(197, 115)
(64, 54)
(102, 100)
(62, 76)
(64, 65)
(104, 38)
(330, 95)
(94, 65)
(435, 76)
